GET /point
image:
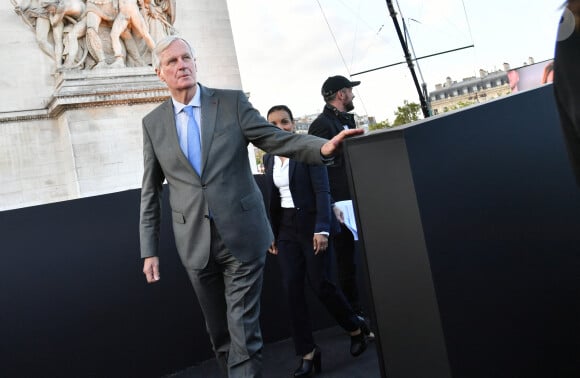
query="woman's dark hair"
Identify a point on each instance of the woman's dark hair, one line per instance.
(275, 108)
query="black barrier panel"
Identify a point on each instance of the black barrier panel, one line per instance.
(478, 210)
(410, 340)
(501, 217)
(74, 301)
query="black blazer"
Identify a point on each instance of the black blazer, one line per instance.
(311, 196)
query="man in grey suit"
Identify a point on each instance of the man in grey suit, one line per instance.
(220, 224)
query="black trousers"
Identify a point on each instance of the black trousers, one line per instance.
(298, 263)
(346, 264)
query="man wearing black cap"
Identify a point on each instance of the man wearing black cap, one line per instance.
(337, 94)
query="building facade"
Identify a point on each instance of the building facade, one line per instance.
(453, 95)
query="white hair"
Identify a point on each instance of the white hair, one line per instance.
(163, 44)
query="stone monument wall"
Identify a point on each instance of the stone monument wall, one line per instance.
(76, 132)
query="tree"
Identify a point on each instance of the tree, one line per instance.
(380, 125)
(259, 154)
(459, 105)
(407, 113)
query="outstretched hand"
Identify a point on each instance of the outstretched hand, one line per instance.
(331, 147)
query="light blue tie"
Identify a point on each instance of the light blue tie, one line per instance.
(193, 141)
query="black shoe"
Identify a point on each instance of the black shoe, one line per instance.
(365, 328)
(358, 344)
(307, 367)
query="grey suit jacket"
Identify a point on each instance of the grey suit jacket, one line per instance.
(226, 187)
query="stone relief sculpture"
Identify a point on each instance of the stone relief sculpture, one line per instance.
(36, 17)
(160, 16)
(73, 10)
(129, 14)
(97, 34)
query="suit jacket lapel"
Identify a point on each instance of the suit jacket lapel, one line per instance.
(291, 170)
(269, 165)
(169, 113)
(209, 106)
(269, 169)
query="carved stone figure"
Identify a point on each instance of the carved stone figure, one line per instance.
(73, 10)
(71, 41)
(160, 16)
(116, 33)
(35, 16)
(128, 15)
(99, 11)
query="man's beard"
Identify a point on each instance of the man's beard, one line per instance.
(349, 106)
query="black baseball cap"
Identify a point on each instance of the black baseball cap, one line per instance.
(335, 83)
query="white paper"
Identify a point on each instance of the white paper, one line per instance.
(348, 214)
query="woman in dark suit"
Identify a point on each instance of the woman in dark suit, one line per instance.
(298, 197)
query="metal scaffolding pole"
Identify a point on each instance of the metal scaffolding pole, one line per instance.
(408, 59)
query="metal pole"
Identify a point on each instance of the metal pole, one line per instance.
(408, 58)
(418, 58)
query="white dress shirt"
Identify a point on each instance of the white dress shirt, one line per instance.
(281, 177)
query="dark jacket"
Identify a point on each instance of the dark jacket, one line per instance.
(328, 124)
(311, 196)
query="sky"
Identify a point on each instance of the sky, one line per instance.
(286, 49)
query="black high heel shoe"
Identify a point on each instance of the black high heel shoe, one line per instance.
(358, 343)
(307, 367)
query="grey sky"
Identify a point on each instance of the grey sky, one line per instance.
(286, 49)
